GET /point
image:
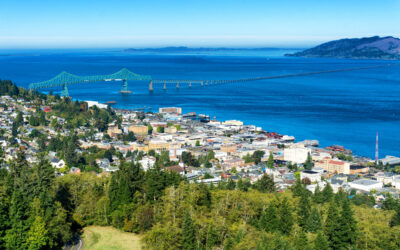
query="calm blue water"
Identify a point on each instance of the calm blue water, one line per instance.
(345, 108)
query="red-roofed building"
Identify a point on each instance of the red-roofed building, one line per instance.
(334, 166)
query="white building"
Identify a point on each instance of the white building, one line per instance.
(147, 162)
(296, 154)
(365, 185)
(57, 163)
(396, 182)
(314, 176)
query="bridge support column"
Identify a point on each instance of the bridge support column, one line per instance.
(190, 84)
(201, 83)
(151, 86)
(177, 85)
(206, 83)
(64, 92)
(165, 86)
(124, 89)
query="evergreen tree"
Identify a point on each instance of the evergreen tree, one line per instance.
(269, 220)
(308, 164)
(285, 217)
(155, 183)
(395, 221)
(270, 162)
(332, 226)
(327, 192)
(321, 243)
(19, 120)
(124, 194)
(212, 237)
(204, 198)
(43, 177)
(14, 129)
(266, 184)
(280, 243)
(231, 185)
(37, 235)
(389, 203)
(228, 244)
(17, 234)
(318, 196)
(303, 212)
(348, 226)
(314, 222)
(113, 192)
(301, 240)
(188, 233)
(299, 188)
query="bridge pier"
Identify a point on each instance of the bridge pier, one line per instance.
(165, 86)
(206, 83)
(201, 83)
(124, 89)
(190, 84)
(64, 91)
(151, 86)
(177, 85)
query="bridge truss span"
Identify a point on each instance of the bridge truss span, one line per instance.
(64, 78)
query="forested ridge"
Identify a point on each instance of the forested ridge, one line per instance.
(41, 211)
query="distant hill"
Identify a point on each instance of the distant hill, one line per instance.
(375, 47)
(187, 49)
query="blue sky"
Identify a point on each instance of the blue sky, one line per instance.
(154, 23)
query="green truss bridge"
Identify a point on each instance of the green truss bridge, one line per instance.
(64, 78)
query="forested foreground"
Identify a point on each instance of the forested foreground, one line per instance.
(41, 211)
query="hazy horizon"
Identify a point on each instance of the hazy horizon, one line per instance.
(156, 23)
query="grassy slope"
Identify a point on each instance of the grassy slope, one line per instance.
(109, 238)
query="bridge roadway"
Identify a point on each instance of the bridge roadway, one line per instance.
(190, 83)
(63, 79)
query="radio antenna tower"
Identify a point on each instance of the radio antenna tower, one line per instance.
(376, 148)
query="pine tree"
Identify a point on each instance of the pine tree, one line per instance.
(188, 233)
(16, 236)
(124, 194)
(231, 185)
(265, 243)
(270, 162)
(301, 240)
(155, 183)
(280, 243)
(332, 225)
(318, 196)
(19, 120)
(304, 210)
(113, 193)
(327, 192)
(37, 235)
(269, 220)
(14, 129)
(266, 184)
(43, 177)
(212, 237)
(314, 222)
(321, 243)
(348, 226)
(228, 244)
(299, 189)
(308, 164)
(285, 217)
(395, 221)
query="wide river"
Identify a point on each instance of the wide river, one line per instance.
(345, 108)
